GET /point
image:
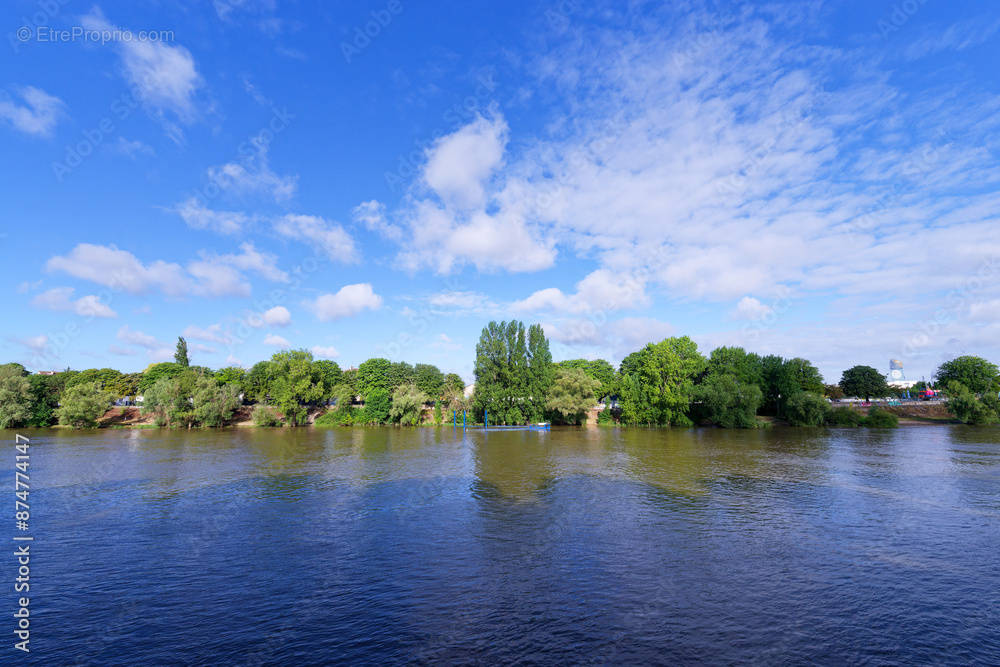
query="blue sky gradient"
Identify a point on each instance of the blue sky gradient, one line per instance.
(810, 179)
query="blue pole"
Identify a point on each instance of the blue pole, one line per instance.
(454, 418)
(486, 419)
(463, 418)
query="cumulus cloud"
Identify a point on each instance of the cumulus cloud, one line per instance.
(277, 341)
(372, 215)
(458, 164)
(60, 298)
(749, 308)
(210, 275)
(38, 114)
(213, 333)
(599, 290)
(329, 236)
(349, 300)
(277, 317)
(325, 352)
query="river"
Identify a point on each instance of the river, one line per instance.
(600, 546)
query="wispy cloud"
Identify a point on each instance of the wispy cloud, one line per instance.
(37, 115)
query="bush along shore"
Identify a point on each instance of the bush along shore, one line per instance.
(669, 383)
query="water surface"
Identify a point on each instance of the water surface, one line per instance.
(604, 546)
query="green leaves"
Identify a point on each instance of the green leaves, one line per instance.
(572, 395)
(513, 372)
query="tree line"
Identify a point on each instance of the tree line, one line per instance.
(669, 383)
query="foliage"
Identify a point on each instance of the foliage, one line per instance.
(45, 392)
(13, 369)
(438, 417)
(735, 361)
(374, 374)
(181, 353)
(969, 409)
(727, 402)
(429, 379)
(806, 376)
(606, 417)
(573, 394)
(257, 383)
(155, 372)
(407, 405)
(833, 391)
(400, 373)
(513, 373)
(454, 382)
(83, 404)
(335, 418)
(806, 409)
(864, 382)
(880, 418)
(126, 385)
(350, 378)
(265, 415)
(600, 370)
(843, 416)
(106, 378)
(657, 382)
(779, 383)
(974, 373)
(328, 373)
(377, 407)
(232, 375)
(296, 382)
(169, 402)
(15, 399)
(214, 405)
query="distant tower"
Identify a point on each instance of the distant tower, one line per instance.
(896, 370)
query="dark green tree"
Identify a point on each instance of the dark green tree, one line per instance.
(657, 382)
(454, 382)
(181, 353)
(727, 402)
(374, 374)
(806, 409)
(975, 373)
(864, 382)
(429, 379)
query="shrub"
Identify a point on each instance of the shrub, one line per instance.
(15, 400)
(968, 409)
(606, 417)
(879, 418)
(806, 409)
(727, 402)
(265, 415)
(843, 417)
(168, 401)
(407, 405)
(83, 405)
(215, 405)
(377, 406)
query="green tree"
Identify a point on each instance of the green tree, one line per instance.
(806, 376)
(863, 382)
(14, 369)
(454, 382)
(744, 366)
(181, 353)
(407, 405)
(974, 373)
(599, 369)
(513, 373)
(83, 404)
(329, 375)
(377, 406)
(969, 409)
(214, 404)
(728, 402)
(833, 391)
(106, 378)
(572, 395)
(169, 402)
(806, 409)
(45, 392)
(374, 374)
(541, 372)
(400, 373)
(15, 398)
(231, 375)
(296, 384)
(350, 378)
(154, 372)
(257, 384)
(429, 379)
(657, 382)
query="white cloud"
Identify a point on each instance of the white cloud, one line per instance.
(38, 115)
(211, 275)
(750, 308)
(131, 148)
(349, 300)
(459, 163)
(133, 337)
(60, 298)
(253, 176)
(277, 341)
(122, 351)
(329, 236)
(163, 76)
(197, 216)
(459, 300)
(212, 334)
(444, 342)
(328, 352)
(36, 343)
(372, 215)
(598, 291)
(277, 317)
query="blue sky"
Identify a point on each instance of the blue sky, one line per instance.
(381, 179)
